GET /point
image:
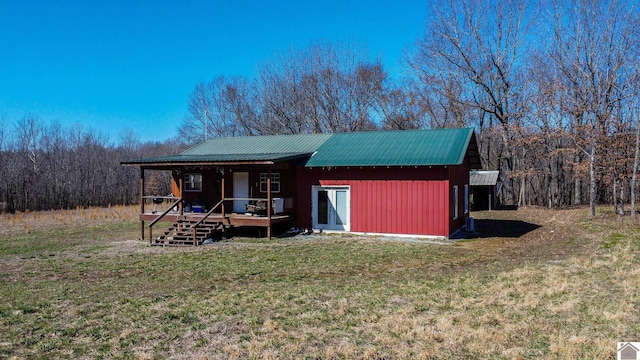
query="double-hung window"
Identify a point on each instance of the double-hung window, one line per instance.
(275, 182)
(193, 182)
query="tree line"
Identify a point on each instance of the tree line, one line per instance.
(49, 166)
(551, 88)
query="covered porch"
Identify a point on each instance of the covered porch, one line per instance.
(210, 197)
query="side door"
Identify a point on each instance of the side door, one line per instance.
(331, 207)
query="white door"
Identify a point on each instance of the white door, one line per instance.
(240, 190)
(331, 208)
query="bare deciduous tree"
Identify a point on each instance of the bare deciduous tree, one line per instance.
(471, 56)
(323, 89)
(592, 45)
(220, 107)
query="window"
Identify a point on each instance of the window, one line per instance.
(192, 182)
(275, 182)
(455, 202)
(466, 199)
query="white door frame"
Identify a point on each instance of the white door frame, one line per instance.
(240, 190)
(331, 208)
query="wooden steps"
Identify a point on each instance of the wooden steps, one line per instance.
(181, 233)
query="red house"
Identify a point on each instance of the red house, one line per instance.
(412, 182)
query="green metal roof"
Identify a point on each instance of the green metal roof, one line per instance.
(375, 148)
(218, 158)
(273, 144)
(394, 148)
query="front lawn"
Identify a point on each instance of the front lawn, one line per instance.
(566, 287)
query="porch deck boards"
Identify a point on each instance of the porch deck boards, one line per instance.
(233, 219)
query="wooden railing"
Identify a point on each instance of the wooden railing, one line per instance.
(164, 213)
(195, 226)
(206, 215)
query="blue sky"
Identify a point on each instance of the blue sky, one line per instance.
(112, 65)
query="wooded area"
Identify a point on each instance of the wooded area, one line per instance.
(551, 87)
(53, 167)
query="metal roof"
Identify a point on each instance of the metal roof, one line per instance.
(395, 148)
(271, 144)
(483, 178)
(218, 159)
(374, 148)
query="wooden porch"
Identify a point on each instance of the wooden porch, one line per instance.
(193, 228)
(210, 197)
(233, 219)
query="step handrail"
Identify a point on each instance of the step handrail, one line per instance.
(208, 213)
(195, 226)
(164, 213)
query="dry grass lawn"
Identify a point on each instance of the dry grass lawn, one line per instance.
(533, 284)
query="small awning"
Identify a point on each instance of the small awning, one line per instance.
(483, 178)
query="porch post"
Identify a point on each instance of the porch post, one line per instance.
(222, 193)
(142, 203)
(269, 205)
(180, 186)
(490, 198)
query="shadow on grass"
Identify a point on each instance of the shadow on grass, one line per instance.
(486, 228)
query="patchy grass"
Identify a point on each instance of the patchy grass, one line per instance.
(566, 287)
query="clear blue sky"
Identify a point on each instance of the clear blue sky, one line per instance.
(111, 65)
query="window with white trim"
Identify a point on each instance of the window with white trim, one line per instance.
(455, 202)
(193, 182)
(275, 182)
(466, 198)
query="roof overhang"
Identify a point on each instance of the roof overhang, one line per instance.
(437, 147)
(215, 160)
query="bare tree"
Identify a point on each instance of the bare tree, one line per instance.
(593, 42)
(322, 89)
(400, 108)
(28, 133)
(634, 112)
(470, 56)
(220, 107)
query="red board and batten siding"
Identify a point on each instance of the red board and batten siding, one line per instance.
(458, 175)
(394, 200)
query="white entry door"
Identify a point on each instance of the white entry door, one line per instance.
(331, 208)
(240, 190)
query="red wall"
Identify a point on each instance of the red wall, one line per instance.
(387, 200)
(458, 175)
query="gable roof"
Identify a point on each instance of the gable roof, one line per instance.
(270, 144)
(375, 148)
(394, 148)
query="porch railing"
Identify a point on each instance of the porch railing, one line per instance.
(163, 214)
(194, 227)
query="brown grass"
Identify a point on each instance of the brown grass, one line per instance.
(544, 285)
(26, 222)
